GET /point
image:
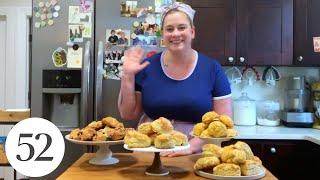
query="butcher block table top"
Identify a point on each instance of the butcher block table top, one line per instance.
(133, 166)
(3, 158)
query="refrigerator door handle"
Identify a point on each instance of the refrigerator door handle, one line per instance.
(85, 85)
(99, 80)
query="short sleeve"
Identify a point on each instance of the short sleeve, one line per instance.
(221, 86)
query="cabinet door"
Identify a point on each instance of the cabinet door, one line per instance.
(265, 32)
(215, 28)
(306, 27)
(291, 159)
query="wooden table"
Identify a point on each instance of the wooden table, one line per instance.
(133, 166)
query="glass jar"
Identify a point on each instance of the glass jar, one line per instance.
(268, 113)
(244, 110)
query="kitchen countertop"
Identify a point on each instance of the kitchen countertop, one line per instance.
(278, 133)
(133, 166)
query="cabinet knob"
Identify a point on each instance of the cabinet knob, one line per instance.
(300, 58)
(230, 59)
(242, 59)
(273, 150)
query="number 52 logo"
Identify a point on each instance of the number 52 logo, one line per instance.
(35, 147)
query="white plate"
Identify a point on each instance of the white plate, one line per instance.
(154, 149)
(211, 176)
(93, 142)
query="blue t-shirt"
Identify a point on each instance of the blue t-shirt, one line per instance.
(186, 99)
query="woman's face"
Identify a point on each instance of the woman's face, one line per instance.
(177, 31)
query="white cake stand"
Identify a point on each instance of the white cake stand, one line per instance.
(216, 141)
(156, 169)
(104, 154)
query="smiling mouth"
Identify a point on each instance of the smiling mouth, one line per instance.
(176, 42)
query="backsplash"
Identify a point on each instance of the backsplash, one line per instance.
(259, 90)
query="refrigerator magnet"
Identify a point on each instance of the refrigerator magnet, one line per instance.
(43, 17)
(48, 4)
(76, 33)
(41, 4)
(55, 14)
(86, 6)
(86, 32)
(74, 15)
(37, 14)
(37, 24)
(59, 57)
(57, 7)
(43, 24)
(50, 22)
(49, 15)
(316, 44)
(74, 58)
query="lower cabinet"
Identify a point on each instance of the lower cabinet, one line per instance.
(286, 159)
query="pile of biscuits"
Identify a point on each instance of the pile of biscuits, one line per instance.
(214, 125)
(106, 129)
(233, 160)
(159, 133)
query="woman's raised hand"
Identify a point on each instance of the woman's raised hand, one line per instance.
(132, 61)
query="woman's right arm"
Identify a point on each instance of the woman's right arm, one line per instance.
(129, 101)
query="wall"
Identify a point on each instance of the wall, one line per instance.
(13, 62)
(259, 90)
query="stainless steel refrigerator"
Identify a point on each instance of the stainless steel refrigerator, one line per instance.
(65, 93)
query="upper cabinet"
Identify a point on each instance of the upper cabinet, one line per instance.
(245, 32)
(306, 26)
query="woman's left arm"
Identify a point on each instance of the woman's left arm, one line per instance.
(223, 106)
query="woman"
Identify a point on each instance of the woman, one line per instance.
(179, 83)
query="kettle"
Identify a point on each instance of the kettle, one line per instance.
(244, 111)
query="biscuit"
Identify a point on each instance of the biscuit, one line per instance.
(250, 168)
(205, 134)
(117, 134)
(179, 138)
(211, 150)
(87, 134)
(209, 117)
(162, 125)
(244, 147)
(217, 129)
(111, 122)
(231, 133)
(227, 169)
(198, 128)
(232, 155)
(96, 125)
(206, 163)
(75, 134)
(164, 141)
(100, 136)
(257, 159)
(145, 128)
(135, 139)
(226, 120)
(152, 137)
